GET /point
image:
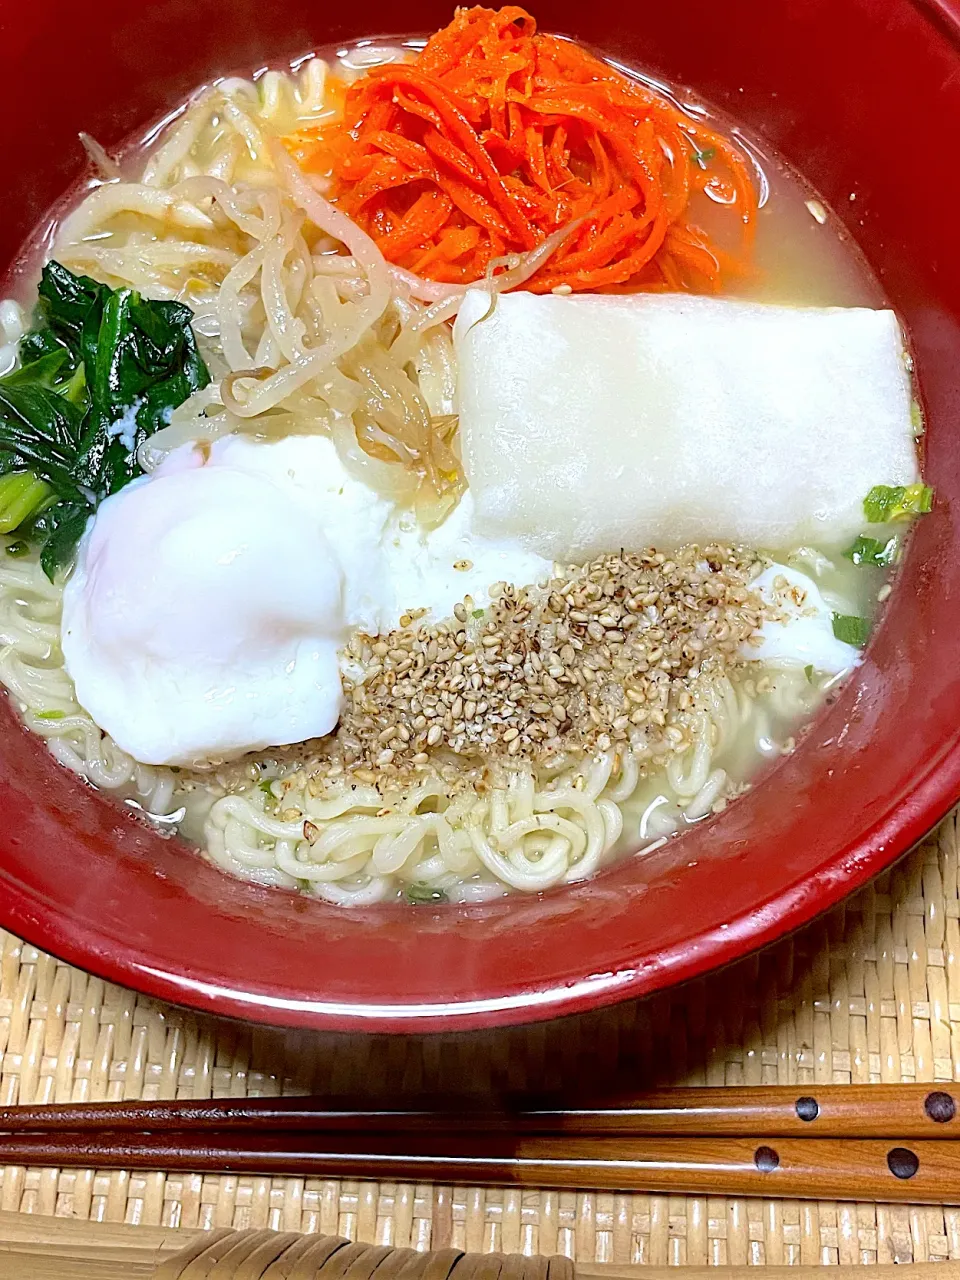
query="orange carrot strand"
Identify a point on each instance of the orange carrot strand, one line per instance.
(496, 136)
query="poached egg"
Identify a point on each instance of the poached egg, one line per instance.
(805, 636)
(210, 600)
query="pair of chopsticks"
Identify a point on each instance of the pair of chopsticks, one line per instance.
(873, 1142)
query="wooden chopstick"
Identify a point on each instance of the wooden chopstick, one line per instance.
(807, 1111)
(813, 1168)
(876, 1142)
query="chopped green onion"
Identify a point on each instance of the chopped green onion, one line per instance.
(21, 496)
(876, 551)
(808, 672)
(478, 613)
(18, 549)
(51, 715)
(851, 629)
(897, 502)
(419, 894)
(266, 786)
(703, 158)
(916, 418)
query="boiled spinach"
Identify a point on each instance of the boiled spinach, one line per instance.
(101, 370)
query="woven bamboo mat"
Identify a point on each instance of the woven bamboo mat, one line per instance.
(870, 993)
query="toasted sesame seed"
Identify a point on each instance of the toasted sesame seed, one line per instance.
(615, 649)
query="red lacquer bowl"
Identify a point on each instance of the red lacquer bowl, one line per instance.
(864, 97)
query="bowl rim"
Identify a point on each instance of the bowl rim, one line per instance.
(933, 782)
(889, 839)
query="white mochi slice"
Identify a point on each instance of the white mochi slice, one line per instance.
(597, 422)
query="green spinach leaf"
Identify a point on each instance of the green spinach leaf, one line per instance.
(68, 521)
(100, 372)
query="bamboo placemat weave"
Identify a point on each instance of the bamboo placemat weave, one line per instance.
(869, 993)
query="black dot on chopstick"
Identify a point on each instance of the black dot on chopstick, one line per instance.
(940, 1106)
(902, 1162)
(808, 1108)
(766, 1159)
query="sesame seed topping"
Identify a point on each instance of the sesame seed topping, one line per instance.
(610, 655)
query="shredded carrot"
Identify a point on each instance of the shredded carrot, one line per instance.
(496, 136)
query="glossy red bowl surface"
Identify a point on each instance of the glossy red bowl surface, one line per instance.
(863, 96)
